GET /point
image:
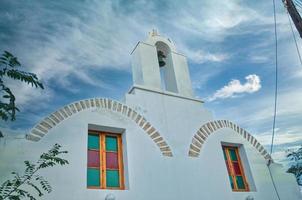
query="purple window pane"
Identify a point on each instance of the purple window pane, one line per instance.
(93, 158)
(236, 168)
(111, 160)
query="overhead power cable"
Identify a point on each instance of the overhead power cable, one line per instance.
(298, 2)
(294, 14)
(276, 79)
(275, 97)
(295, 40)
(298, 6)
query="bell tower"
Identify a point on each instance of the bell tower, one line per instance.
(156, 65)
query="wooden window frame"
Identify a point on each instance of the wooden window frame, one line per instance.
(102, 153)
(231, 171)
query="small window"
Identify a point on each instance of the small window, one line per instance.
(235, 169)
(105, 161)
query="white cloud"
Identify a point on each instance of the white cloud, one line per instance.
(283, 140)
(200, 78)
(258, 112)
(200, 56)
(215, 20)
(26, 94)
(60, 46)
(259, 58)
(89, 39)
(280, 137)
(234, 87)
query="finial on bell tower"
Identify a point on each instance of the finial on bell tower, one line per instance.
(153, 33)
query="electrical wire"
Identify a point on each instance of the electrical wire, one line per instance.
(276, 79)
(294, 36)
(298, 5)
(276, 95)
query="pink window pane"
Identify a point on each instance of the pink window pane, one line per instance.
(111, 160)
(236, 168)
(93, 158)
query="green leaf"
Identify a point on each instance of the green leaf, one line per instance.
(8, 68)
(9, 59)
(11, 189)
(36, 188)
(26, 77)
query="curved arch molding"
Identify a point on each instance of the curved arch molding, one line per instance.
(209, 128)
(49, 122)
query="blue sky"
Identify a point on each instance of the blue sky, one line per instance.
(81, 49)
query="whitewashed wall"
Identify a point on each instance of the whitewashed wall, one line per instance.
(149, 174)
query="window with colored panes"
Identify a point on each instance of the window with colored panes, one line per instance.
(105, 161)
(235, 169)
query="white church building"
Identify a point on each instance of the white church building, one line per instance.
(158, 143)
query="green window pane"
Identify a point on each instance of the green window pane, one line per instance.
(233, 155)
(240, 183)
(112, 178)
(111, 143)
(93, 177)
(93, 141)
(231, 181)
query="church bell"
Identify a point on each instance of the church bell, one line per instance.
(161, 58)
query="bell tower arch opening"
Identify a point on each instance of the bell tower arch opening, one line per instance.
(166, 69)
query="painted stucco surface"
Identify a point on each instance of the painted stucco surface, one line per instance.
(148, 173)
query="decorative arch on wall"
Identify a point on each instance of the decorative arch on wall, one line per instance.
(49, 122)
(209, 128)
